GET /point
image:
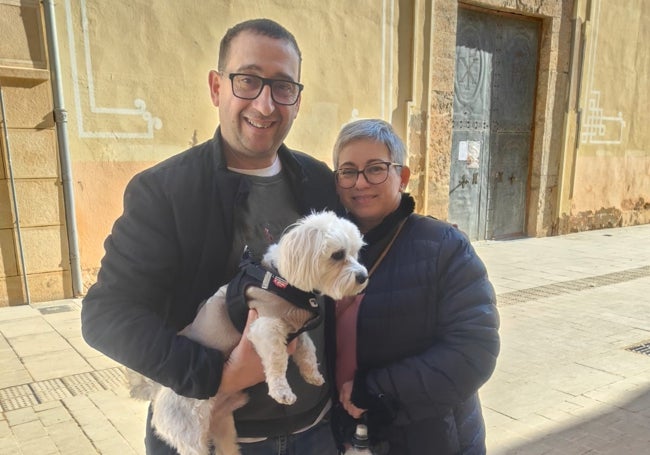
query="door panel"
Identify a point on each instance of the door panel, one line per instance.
(494, 93)
(508, 185)
(471, 131)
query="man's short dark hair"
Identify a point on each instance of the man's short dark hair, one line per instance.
(264, 27)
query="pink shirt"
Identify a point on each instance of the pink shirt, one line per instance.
(347, 310)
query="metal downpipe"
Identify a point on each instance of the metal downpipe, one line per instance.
(61, 119)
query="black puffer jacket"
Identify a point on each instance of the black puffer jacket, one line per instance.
(427, 338)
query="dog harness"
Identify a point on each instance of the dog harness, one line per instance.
(252, 273)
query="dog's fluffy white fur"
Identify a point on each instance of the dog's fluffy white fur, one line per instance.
(318, 253)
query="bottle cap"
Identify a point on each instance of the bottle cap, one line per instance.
(360, 438)
(361, 432)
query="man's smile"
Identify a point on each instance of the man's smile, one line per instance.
(257, 123)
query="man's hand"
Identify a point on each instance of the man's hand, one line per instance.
(244, 368)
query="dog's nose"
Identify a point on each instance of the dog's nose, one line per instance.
(361, 278)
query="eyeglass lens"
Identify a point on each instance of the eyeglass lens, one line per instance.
(249, 87)
(374, 174)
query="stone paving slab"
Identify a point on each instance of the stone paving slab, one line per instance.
(566, 381)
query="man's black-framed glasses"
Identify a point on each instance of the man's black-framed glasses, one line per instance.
(374, 173)
(249, 87)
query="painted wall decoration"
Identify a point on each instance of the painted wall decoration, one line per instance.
(597, 127)
(140, 106)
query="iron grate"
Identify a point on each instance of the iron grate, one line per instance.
(55, 309)
(643, 348)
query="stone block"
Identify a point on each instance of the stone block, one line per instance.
(55, 364)
(54, 285)
(29, 431)
(6, 205)
(40, 202)
(11, 291)
(3, 166)
(8, 262)
(28, 107)
(443, 75)
(45, 249)
(444, 45)
(21, 36)
(39, 343)
(34, 153)
(33, 326)
(44, 446)
(54, 415)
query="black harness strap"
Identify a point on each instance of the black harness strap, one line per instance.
(253, 274)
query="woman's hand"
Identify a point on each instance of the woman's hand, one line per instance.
(345, 395)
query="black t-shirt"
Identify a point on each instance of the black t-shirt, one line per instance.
(268, 210)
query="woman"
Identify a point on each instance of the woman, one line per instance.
(427, 325)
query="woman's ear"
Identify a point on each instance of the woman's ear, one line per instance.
(405, 175)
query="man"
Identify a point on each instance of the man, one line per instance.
(181, 235)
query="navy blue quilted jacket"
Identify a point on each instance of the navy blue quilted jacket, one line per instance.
(427, 339)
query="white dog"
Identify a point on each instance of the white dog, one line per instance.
(317, 255)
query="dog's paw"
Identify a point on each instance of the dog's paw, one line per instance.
(282, 393)
(315, 378)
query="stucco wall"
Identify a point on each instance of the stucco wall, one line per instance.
(609, 183)
(136, 85)
(135, 89)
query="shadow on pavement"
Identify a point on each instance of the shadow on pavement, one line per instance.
(622, 430)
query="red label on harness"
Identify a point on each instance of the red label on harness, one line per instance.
(279, 282)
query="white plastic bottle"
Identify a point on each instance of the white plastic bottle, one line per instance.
(360, 442)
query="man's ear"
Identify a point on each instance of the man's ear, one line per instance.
(214, 80)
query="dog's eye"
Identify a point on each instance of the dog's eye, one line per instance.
(338, 255)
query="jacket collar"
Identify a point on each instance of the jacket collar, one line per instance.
(378, 237)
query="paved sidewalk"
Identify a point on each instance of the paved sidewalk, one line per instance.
(567, 382)
(571, 308)
(58, 395)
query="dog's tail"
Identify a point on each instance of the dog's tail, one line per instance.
(141, 387)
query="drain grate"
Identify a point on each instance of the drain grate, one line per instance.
(26, 395)
(564, 287)
(643, 348)
(55, 309)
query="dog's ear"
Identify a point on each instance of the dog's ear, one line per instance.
(299, 252)
(270, 259)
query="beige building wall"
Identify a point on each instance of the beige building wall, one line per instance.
(32, 216)
(135, 89)
(137, 92)
(606, 167)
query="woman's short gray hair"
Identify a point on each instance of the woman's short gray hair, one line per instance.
(373, 129)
